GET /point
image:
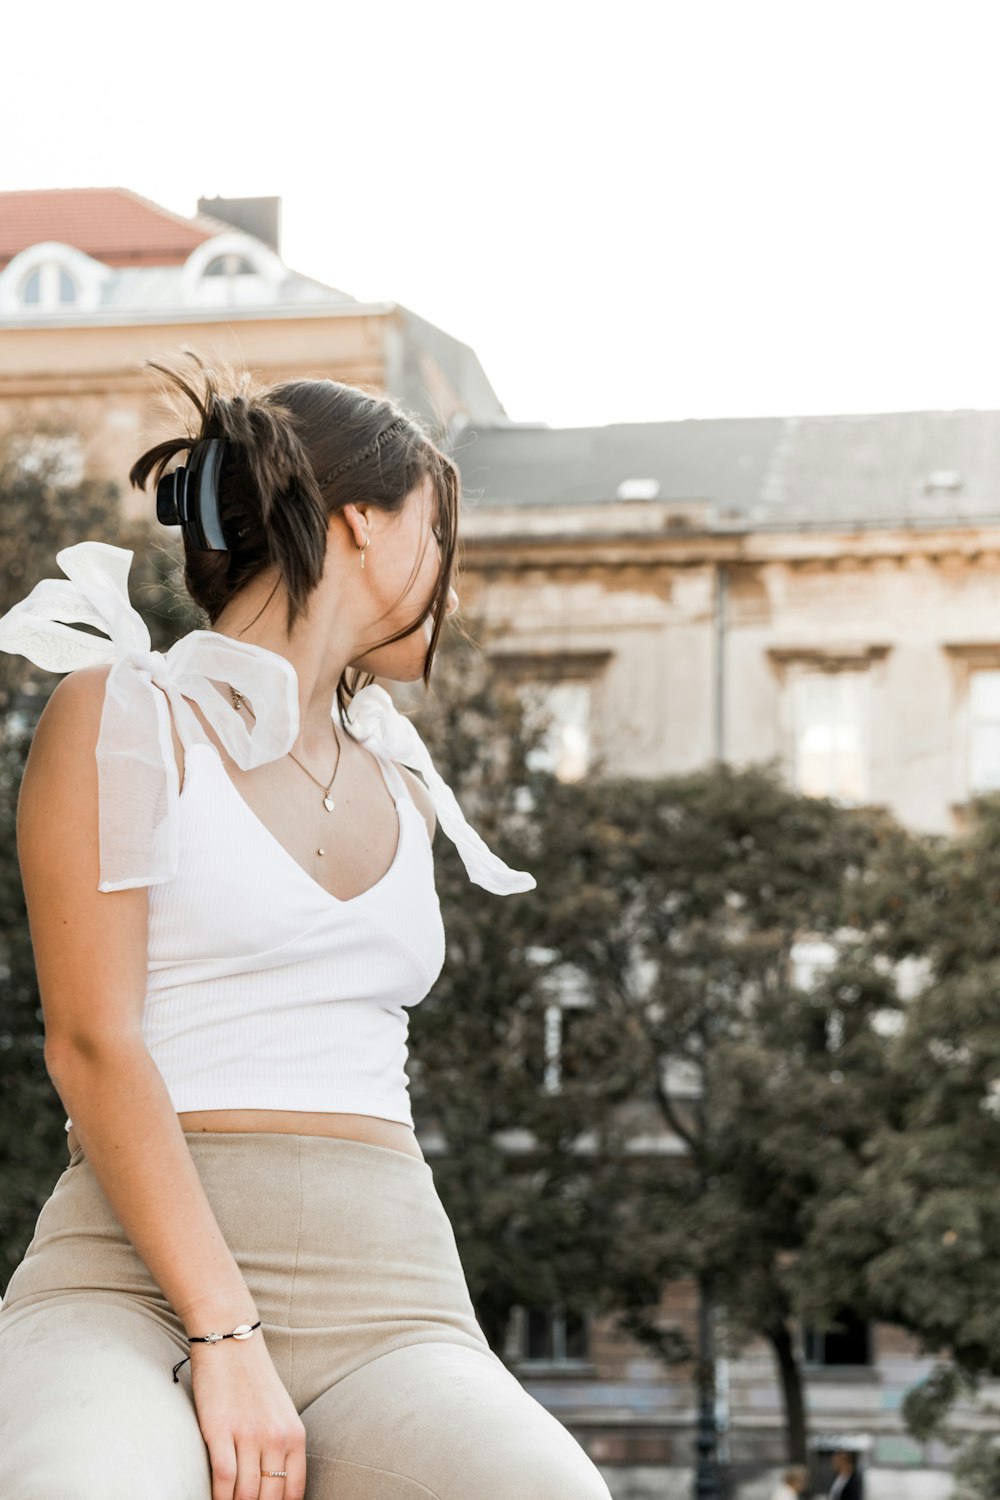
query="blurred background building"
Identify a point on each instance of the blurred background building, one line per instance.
(819, 591)
(822, 591)
(93, 281)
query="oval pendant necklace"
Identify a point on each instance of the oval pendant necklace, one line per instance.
(239, 701)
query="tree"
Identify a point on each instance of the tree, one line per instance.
(523, 1213)
(682, 900)
(918, 1226)
(43, 509)
(675, 904)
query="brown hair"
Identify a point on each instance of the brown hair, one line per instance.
(297, 452)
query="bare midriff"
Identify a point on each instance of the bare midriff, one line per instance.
(372, 1128)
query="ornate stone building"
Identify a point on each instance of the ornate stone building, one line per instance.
(822, 591)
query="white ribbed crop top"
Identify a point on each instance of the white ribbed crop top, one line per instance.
(264, 991)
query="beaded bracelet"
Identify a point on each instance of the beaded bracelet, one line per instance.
(241, 1331)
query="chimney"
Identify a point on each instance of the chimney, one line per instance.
(260, 217)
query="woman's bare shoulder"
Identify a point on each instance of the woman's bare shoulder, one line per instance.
(70, 722)
(69, 725)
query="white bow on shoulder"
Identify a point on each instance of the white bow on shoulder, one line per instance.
(138, 785)
(373, 715)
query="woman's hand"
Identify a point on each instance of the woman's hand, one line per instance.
(248, 1421)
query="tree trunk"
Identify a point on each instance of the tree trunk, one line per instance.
(792, 1396)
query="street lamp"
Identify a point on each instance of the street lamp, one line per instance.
(707, 1479)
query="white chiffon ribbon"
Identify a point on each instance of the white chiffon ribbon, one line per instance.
(138, 785)
(373, 715)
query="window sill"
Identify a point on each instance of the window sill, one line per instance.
(578, 1368)
(866, 1374)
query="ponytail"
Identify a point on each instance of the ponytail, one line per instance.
(270, 505)
(296, 453)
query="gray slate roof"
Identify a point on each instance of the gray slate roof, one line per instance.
(915, 467)
(159, 288)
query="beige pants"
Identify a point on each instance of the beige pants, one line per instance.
(353, 1266)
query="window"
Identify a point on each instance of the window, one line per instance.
(565, 745)
(560, 1020)
(232, 269)
(552, 1037)
(847, 1344)
(52, 277)
(48, 286)
(560, 691)
(828, 730)
(230, 265)
(557, 1335)
(810, 959)
(984, 730)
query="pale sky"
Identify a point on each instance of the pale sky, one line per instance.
(631, 212)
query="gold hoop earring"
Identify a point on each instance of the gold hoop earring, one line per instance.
(364, 549)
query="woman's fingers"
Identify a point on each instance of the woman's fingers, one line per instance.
(250, 1483)
(222, 1457)
(272, 1462)
(295, 1463)
(271, 1474)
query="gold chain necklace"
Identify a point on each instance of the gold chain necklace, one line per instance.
(239, 701)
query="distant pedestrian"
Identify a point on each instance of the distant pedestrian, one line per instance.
(793, 1483)
(847, 1485)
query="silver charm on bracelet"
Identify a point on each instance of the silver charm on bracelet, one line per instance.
(241, 1331)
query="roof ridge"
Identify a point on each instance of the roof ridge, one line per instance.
(193, 221)
(206, 223)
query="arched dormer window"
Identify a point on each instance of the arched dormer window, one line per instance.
(51, 278)
(47, 286)
(232, 269)
(230, 265)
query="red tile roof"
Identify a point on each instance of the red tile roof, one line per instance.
(114, 225)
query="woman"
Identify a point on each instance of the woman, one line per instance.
(227, 863)
(793, 1483)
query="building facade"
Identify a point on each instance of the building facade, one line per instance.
(95, 281)
(824, 593)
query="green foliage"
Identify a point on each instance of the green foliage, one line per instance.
(40, 513)
(926, 1412)
(917, 1228)
(927, 1404)
(524, 1221)
(693, 909)
(675, 905)
(976, 1472)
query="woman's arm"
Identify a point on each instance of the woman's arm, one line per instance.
(90, 951)
(91, 959)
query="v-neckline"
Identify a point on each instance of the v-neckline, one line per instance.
(338, 901)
